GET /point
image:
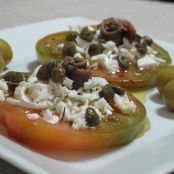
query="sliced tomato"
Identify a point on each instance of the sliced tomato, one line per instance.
(134, 78)
(42, 136)
(47, 48)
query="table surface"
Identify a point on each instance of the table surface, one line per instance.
(154, 18)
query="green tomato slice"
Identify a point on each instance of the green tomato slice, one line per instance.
(47, 49)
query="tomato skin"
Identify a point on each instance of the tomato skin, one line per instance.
(143, 80)
(42, 136)
(132, 82)
(46, 47)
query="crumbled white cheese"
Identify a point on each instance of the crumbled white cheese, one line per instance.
(112, 64)
(91, 96)
(124, 104)
(79, 120)
(82, 43)
(103, 106)
(49, 116)
(78, 55)
(68, 82)
(20, 92)
(97, 34)
(151, 51)
(80, 50)
(60, 110)
(32, 116)
(91, 28)
(3, 86)
(95, 82)
(147, 61)
(111, 46)
(126, 43)
(58, 90)
(108, 61)
(2, 95)
(61, 45)
(75, 96)
(40, 92)
(127, 53)
(3, 90)
(33, 77)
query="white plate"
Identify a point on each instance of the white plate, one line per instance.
(151, 153)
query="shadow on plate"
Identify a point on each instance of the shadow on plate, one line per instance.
(156, 98)
(65, 155)
(76, 156)
(32, 65)
(165, 113)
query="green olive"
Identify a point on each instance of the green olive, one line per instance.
(117, 89)
(91, 117)
(13, 79)
(69, 49)
(87, 34)
(6, 51)
(2, 64)
(72, 36)
(95, 48)
(124, 62)
(107, 92)
(58, 74)
(168, 94)
(44, 72)
(164, 76)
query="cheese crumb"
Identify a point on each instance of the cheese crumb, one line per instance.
(68, 82)
(95, 82)
(147, 61)
(124, 104)
(49, 117)
(33, 116)
(103, 106)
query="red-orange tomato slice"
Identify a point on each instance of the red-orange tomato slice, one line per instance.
(45, 137)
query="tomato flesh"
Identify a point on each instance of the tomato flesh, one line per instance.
(42, 136)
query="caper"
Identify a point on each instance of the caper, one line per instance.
(69, 49)
(95, 48)
(58, 74)
(87, 34)
(44, 72)
(117, 89)
(147, 40)
(70, 65)
(91, 117)
(137, 38)
(72, 36)
(14, 78)
(142, 47)
(107, 92)
(124, 62)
